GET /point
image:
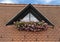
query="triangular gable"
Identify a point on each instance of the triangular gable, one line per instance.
(25, 11)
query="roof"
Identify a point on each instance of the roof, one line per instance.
(8, 33)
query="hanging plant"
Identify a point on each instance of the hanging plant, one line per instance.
(31, 26)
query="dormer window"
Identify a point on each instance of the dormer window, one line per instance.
(30, 19)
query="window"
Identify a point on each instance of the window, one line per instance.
(29, 17)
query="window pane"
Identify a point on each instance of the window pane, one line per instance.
(29, 17)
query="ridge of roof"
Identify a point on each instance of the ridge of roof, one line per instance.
(39, 5)
(11, 5)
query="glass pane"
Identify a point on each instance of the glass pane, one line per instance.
(29, 17)
(26, 18)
